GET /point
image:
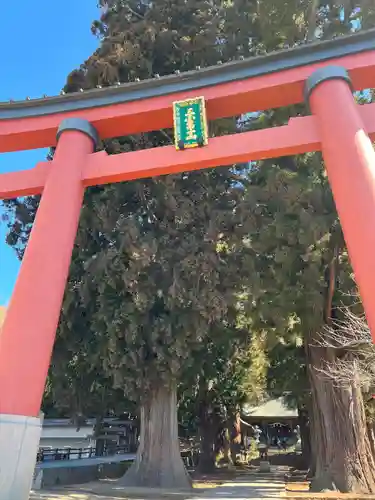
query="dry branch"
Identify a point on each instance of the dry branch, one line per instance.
(351, 358)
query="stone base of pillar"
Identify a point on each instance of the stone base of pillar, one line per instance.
(19, 442)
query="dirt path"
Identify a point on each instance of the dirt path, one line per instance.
(244, 487)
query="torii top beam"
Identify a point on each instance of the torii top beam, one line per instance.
(229, 89)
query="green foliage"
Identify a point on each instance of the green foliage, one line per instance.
(295, 236)
(155, 263)
(287, 376)
(254, 382)
(159, 279)
(216, 382)
(301, 272)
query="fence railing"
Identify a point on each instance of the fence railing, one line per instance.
(45, 455)
(189, 457)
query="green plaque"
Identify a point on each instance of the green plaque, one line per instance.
(190, 123)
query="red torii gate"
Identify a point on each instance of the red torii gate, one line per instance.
(325, 74)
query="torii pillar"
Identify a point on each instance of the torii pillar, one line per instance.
(28, 333)
(350, 163)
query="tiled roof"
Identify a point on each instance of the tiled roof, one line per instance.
(273, 408)
(235, 70)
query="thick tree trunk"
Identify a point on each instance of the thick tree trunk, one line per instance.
(227, 459)
(343, 458)
(370, 432)
(207, 458)
(211, 439)
(236, 439)
(158, 462)
(99, 443)
(303, 422)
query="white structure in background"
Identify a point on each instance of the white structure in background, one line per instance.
(271, 410)
(277, 421)
(61, 433)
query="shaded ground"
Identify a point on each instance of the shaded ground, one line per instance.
(300, 490)
(242, 483)
(243, 486)
(327, 496)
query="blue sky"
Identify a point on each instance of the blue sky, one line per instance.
(42, 42)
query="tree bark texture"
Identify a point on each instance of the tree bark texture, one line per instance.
(304, 425)
(211, 433)
(236, 438)
(342, 453)
(99, 446)
(208, 432)
(227, 459)
(158, 462)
